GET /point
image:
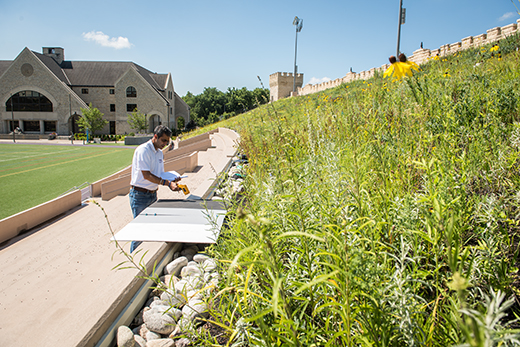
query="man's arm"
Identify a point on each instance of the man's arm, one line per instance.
(154, 179)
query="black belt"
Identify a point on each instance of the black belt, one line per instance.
(143, 190)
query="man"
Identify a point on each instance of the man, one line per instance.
(147, 168)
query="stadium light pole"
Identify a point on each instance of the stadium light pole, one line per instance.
(298, 22)
(402, 15)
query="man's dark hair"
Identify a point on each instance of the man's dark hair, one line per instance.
(160, 130)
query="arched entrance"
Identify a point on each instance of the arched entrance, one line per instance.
(28, 101)
(153, 121)
(73, 124)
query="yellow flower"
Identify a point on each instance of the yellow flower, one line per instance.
(399, 69)
(494, 48)
(447, 74)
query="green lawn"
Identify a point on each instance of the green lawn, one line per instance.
(33, 174)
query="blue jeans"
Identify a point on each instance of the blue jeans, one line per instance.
(138, 202)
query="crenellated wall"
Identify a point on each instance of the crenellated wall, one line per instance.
(281, 84)
(419, 56)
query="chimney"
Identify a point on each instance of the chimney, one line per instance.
(56, 53)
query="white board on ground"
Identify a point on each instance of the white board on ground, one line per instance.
(187, 221)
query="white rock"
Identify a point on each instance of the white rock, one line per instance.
(169, 280)
(150, 336)
(181, 286)
(161, 343)
(125, 337)
(161, 303)
(209, 265)
(190, 271)
(200, 258)
(195, 282)
(174, 268)
(140, 341)
(192, 263)
(176, 331)
(159, 320)
(143, 330)
(194, 308)
(175, 300)
(194, 294)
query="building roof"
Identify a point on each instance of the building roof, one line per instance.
(97, 73)
(160, 79)
(52, 65)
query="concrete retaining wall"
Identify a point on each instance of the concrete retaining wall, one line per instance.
(96, 186)
(194, 139)
(202, 145)
(229, 133)
(121, 185)
(15, 224)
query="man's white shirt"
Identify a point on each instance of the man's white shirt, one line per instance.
(146, 158)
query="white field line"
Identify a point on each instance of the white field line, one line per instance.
(36, 155)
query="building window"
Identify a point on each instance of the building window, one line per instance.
(84, 91)
(49, 126)
(16, 125)
(112, 107)
(171, 110)
(170, 94)
(131, 107)
(131, 92)
(112, 127)
(29, 101)
(31, 125)
(111, 91)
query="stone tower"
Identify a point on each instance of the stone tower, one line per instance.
(281, 84)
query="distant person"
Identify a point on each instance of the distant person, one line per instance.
(147, 168)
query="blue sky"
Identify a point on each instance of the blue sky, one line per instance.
(228, 43)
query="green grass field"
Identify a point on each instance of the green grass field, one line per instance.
(33, 174)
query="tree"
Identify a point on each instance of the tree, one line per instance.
(137, 121)
(212, 104)
(91, 120)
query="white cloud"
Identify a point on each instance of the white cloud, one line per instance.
(104, 40)
(506, 16)
(315, 80)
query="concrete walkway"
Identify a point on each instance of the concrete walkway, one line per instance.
(58, 286)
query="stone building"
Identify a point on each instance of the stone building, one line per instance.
(281, 84)
(44, 93)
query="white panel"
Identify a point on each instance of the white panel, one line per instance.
(189, 225)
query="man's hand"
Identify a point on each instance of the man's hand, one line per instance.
(173, 186)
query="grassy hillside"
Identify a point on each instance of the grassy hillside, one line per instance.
(381, 213)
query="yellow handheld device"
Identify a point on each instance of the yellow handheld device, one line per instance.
(184, 188)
